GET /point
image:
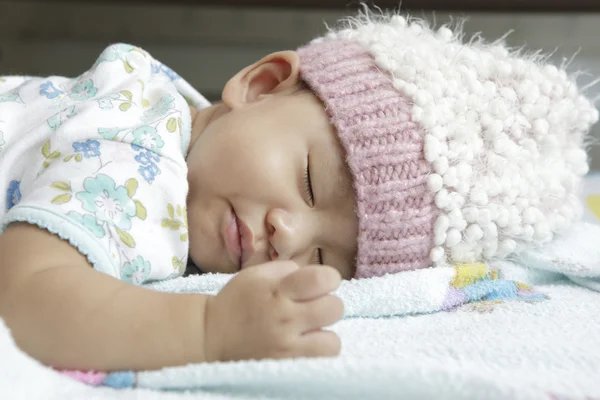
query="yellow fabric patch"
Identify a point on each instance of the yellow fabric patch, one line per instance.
(468, 274)
(593, 203)
(523, 286)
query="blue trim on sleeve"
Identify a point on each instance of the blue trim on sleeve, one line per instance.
(186, 124)
(68, 230)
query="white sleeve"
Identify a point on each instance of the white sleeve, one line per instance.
(112, 177)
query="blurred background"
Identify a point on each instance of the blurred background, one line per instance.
(208, 41)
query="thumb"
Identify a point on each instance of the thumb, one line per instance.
(276, 270)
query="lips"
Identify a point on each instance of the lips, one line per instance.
(232, 238)
(238, 239)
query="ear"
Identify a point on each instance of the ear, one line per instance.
(273, 74)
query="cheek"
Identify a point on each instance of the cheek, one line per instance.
(238, 164)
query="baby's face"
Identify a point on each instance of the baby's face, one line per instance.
(268, 181)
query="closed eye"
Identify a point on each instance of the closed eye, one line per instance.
(308, 185)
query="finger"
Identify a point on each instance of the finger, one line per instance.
(320, 313)
(310, 282)
(319, 343)
(275, 269)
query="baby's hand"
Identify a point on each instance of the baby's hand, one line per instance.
(274, 310)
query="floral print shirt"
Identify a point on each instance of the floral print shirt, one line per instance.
(99, 160)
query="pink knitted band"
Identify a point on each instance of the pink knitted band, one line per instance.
(384, 151)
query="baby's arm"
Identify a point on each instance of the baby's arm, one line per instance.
(66, 314)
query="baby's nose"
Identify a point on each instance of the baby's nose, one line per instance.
(282, 231)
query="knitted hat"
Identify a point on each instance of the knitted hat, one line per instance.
(459, 152)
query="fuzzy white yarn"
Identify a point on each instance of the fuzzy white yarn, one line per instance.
(505, 134)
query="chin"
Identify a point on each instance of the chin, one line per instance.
(206, 266)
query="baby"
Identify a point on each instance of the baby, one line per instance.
(381, 148)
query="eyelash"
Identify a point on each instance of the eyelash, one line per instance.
(319, 257)
(308, 187)
(311, 198)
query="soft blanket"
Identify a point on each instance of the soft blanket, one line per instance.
(487, 350)
(496, 337)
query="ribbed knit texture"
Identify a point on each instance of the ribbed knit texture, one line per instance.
(384, 150)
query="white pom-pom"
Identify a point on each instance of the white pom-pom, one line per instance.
(530, 215)
(551, 70)
(450, 178)
(455, 216)
(508, 246)
(442, 200)
(439, 132)
(460, 252)
(435, 183)
(490, 248)
(464, 171)
(411, 89)
(479, 197)
(440, 239)
(436, 254)
(546, 87)
(440, 165)
(399, 21)
(453, 237)
(595, 115)
(471, 214)
(416, 29)
(474, 233)
(417, 113)
(463, 187)
(485, 216)
(406, 72)
(441, 225)
(444, 33)
(540, 127)
(503, 217)
(527, 232)
(432, 148)
(491, 230)
(422, 98)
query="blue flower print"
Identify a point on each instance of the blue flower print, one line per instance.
(160, 68)
(13, 194)
(90, 148)
(89, 222)
(148, 137)
(147, 158)
(159, 109)
(107, 201)
(47, 89)
(136, 271)
(105, 104)
(83, 91)
(148, 170)
(57, 120)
